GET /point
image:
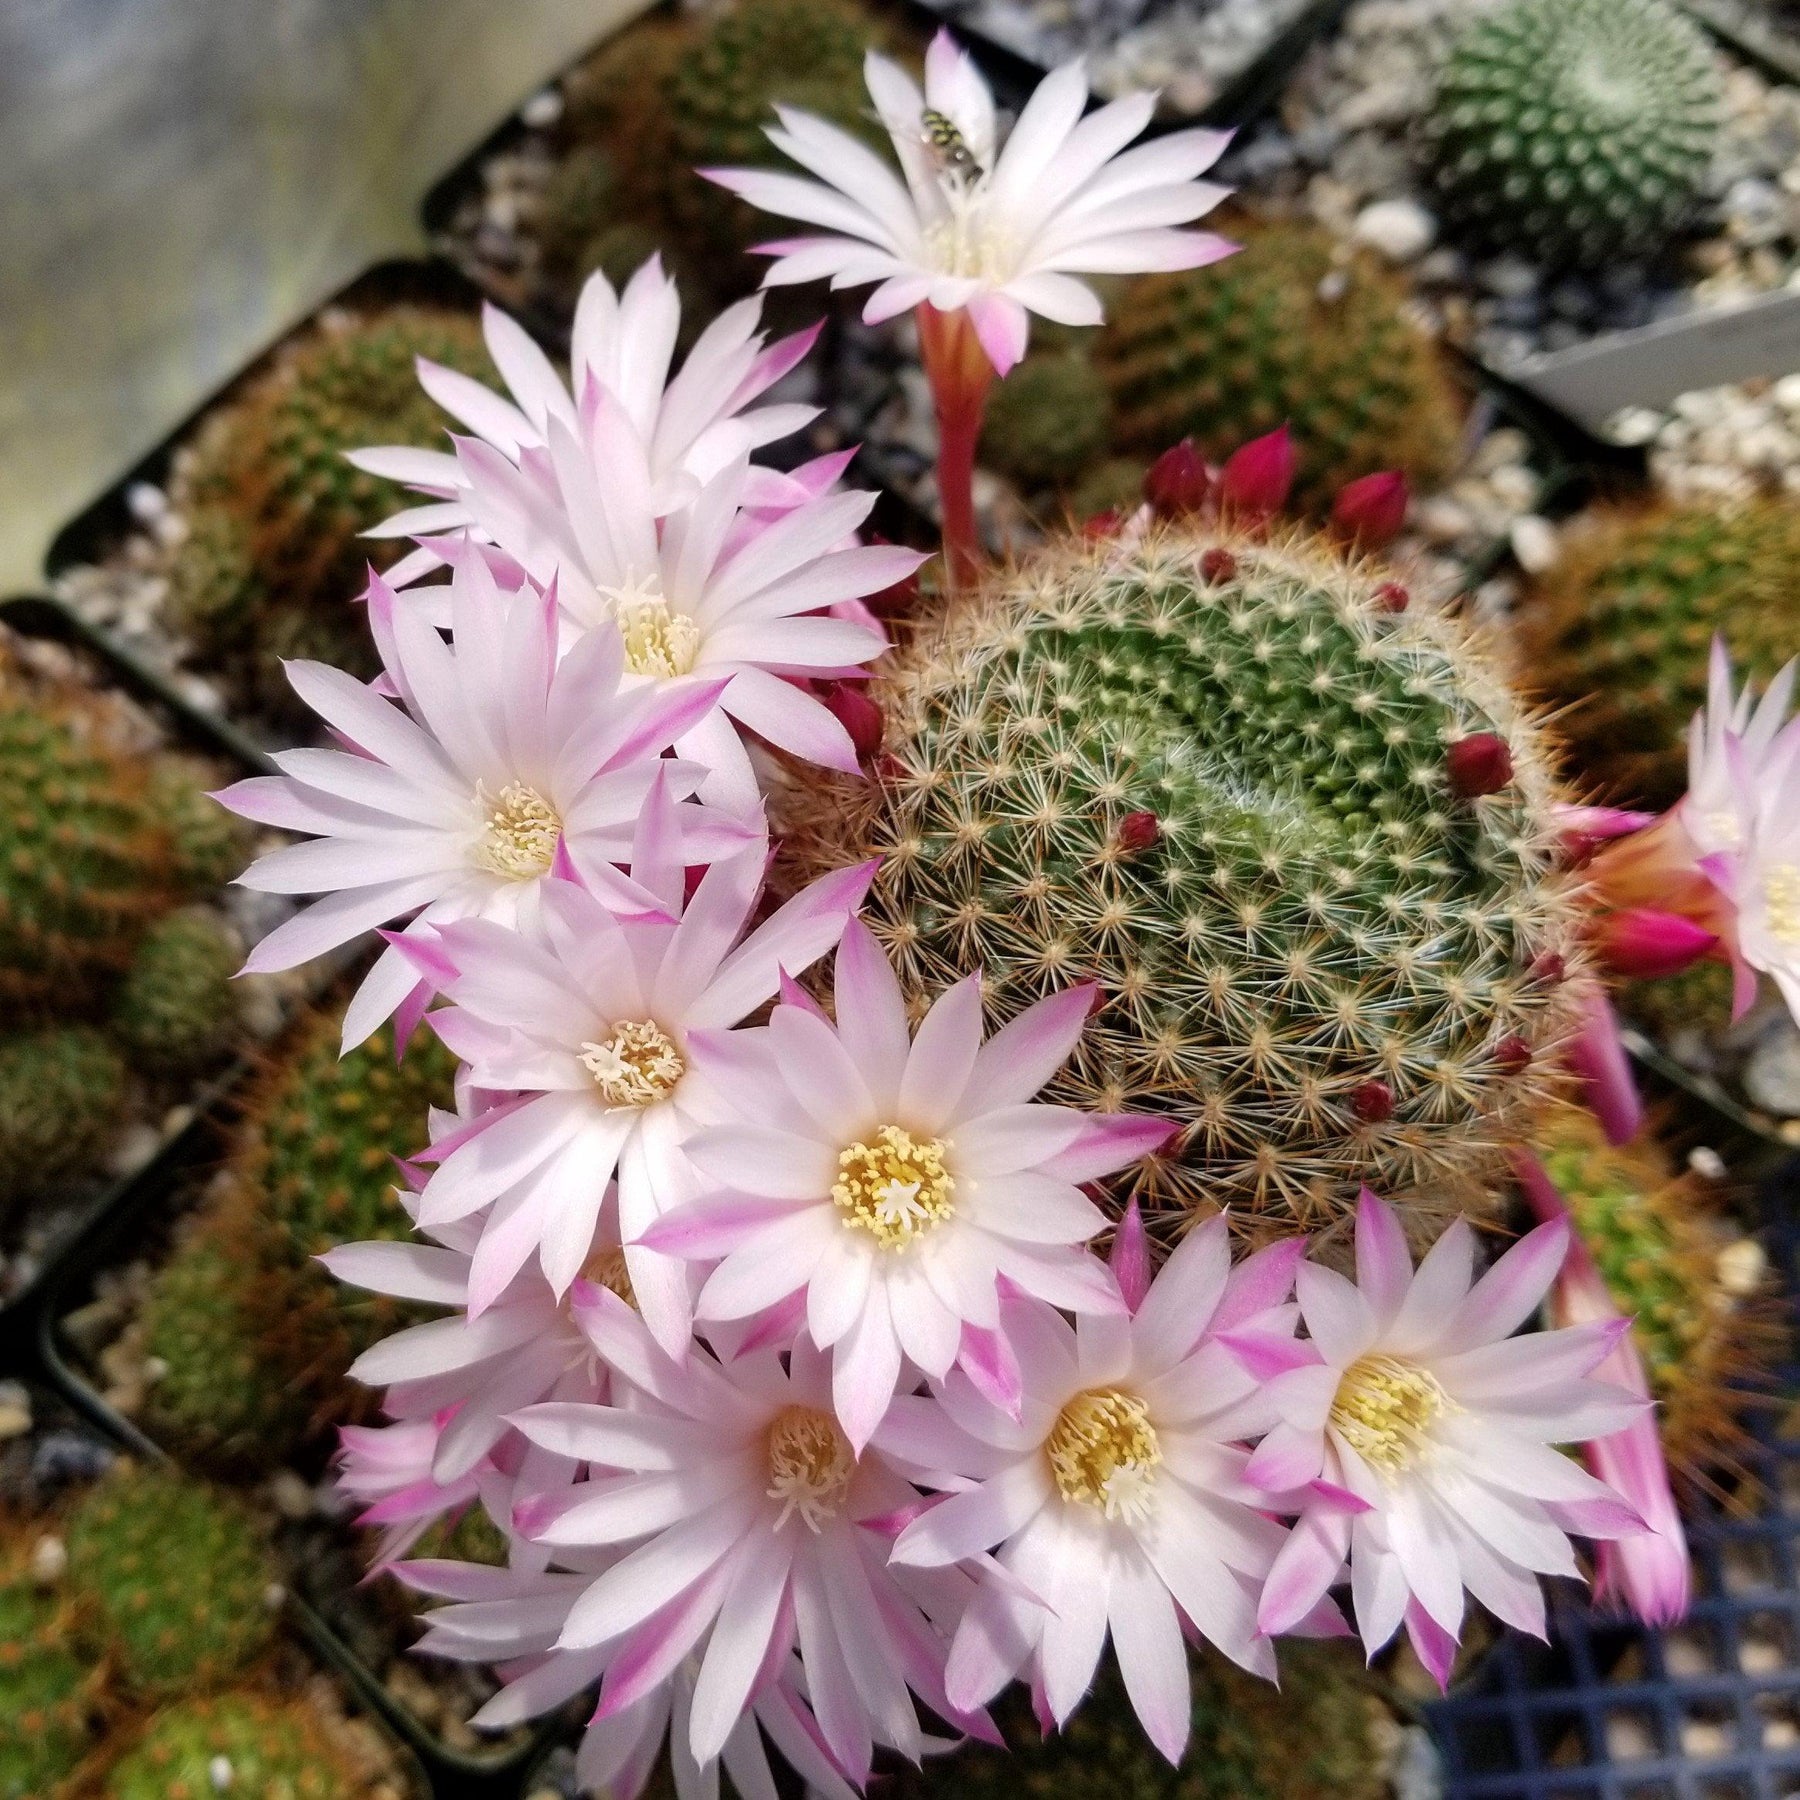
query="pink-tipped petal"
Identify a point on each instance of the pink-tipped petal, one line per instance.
(1597, 1056)
(1130, 1259)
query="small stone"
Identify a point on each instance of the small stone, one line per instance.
(1400, 230)
(291, 1496)
(218, 1774)
(1707, 1163)
(15, 1410)
(49, 1560)
(155, 1368)
(147, 502)
(1742, 1267)
(1442, 520)
(1772, 1075)
(1632, 426)
(1786, 393)
(1508, 278)
(542, 110)
(1534, 543)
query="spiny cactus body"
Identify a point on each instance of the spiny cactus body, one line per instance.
(61, 1089)
(1692, 1287)
(176, 1005)
(1576, 131)
(1321, 1733)
(1286, 332)
(1618, 630)
(1047, 422)
(48, 1684)
(209, 845)
(176, 1578)
(243, 1744)
(1210, 772)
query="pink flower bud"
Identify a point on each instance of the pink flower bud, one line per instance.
(1370, 512)
(1642, 943)
(1217, 565)
(849, 703)
(1139, 831)
(1478, 764)
(1257, 478)
(1513, 1054)
(1179, 482)
(1393, 597)
(1372, 1101)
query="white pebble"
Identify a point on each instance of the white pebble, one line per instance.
(1786, 393)
(218, 1772)
(1706, 1162)
(1401, 230)
(1633, 425)
(1741, 1267)
(1535, 543)
(147, 501)
(49, 1558)
(542, 109)
(292, 1497)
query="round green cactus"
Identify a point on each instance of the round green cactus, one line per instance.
(1222, 777)
(1618, 630)
(61, 1090)
(1292, 330)
(176, 1577)
(216, 590)
(616, 103)
(1047, 422)
(1575, 131)
(209, 845)
(48, 1686)
(1323, 1732)
(244, 1744)
(176, 1004)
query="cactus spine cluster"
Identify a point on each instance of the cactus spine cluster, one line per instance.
(176, 1579)
(241, 1743)
(1618, 630)
(1211, 772)
(1292, 330)
(1575, 130)
(48, 1684)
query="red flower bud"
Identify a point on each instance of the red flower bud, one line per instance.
(1513, 1055)
(1371, 512)
(1478, 764)
(1138, 831)
(1393, 597)
(1548, 969)
(1218, 565)
(1102, 524)
(1096, 1001)
(849, 703)
(1372, 1101)
(1179, 481)
(1257, 478)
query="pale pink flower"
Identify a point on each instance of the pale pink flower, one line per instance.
(387, 1470)
(583, 1015)
(624, 343)
(456, 797)
(745, 1510)
(1424, 1430)
(893, 1183)
(1117, 1499)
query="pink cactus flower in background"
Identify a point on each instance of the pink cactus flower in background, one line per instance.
(894, 1183)
(1424, 1432)
(1115, 1502)
(456, 797)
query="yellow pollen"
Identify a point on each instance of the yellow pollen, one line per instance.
(1104, 1452)
(1781, 895)
(658, 641)
(518, 836)
(896, 1188)
(810, 1466)
(1726, 827)
(606, 1268)
(1385, 1409)
(965, 243)
(636, 1066)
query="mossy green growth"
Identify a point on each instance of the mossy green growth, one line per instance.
(176, 1578)
(1574, 131)
(61, 1091)
(48, 1684)
(1321, 1733)
(271, 1749)
(1293, 330)
(176, 1005)
(1209, 772)
(1048, 421)
(1618, 631)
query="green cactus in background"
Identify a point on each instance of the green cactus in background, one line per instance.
(1115, 485)
(176, 1005)
(1220, 776)
(176, 1578)
(1697, 999)
(1574, 131)
(1618, 631)
(209, 845)
(723, 91)
(616, 102)
(61, 1091)
(48, 1685)
(1293, 330)
(584, 225)
(273, 504)
(1048, 421)
(1323, 1732)
(265, 1749)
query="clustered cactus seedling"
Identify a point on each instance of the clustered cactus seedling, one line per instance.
(1576, 131)
(242, 1744)
(1320, 1733)
(175, 1004)
(1692, 1287)
(1302, 841)
(1286, 332)
(176, 1578)
(61, 1088)
(273, 561)
(48, 1684)
(1618, 630)
(1048, 422)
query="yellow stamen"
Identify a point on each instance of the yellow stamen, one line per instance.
(1781, 895)
(658, 641)
(810, 1466)
(637, 1065)
(895, 1188)
(606, 1268)
(1103, 1451)
(518, 837)
(1384, 1410)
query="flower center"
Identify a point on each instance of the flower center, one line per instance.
(965, 242)
(1385, 1409)
(1781, 894)
(519, 835)
(1104, 1452)
(606, 1268)
(896, 1188)
(636, 1066)
(810, 1465)
(659, 641)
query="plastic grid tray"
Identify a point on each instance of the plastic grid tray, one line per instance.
(1708, 1710)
